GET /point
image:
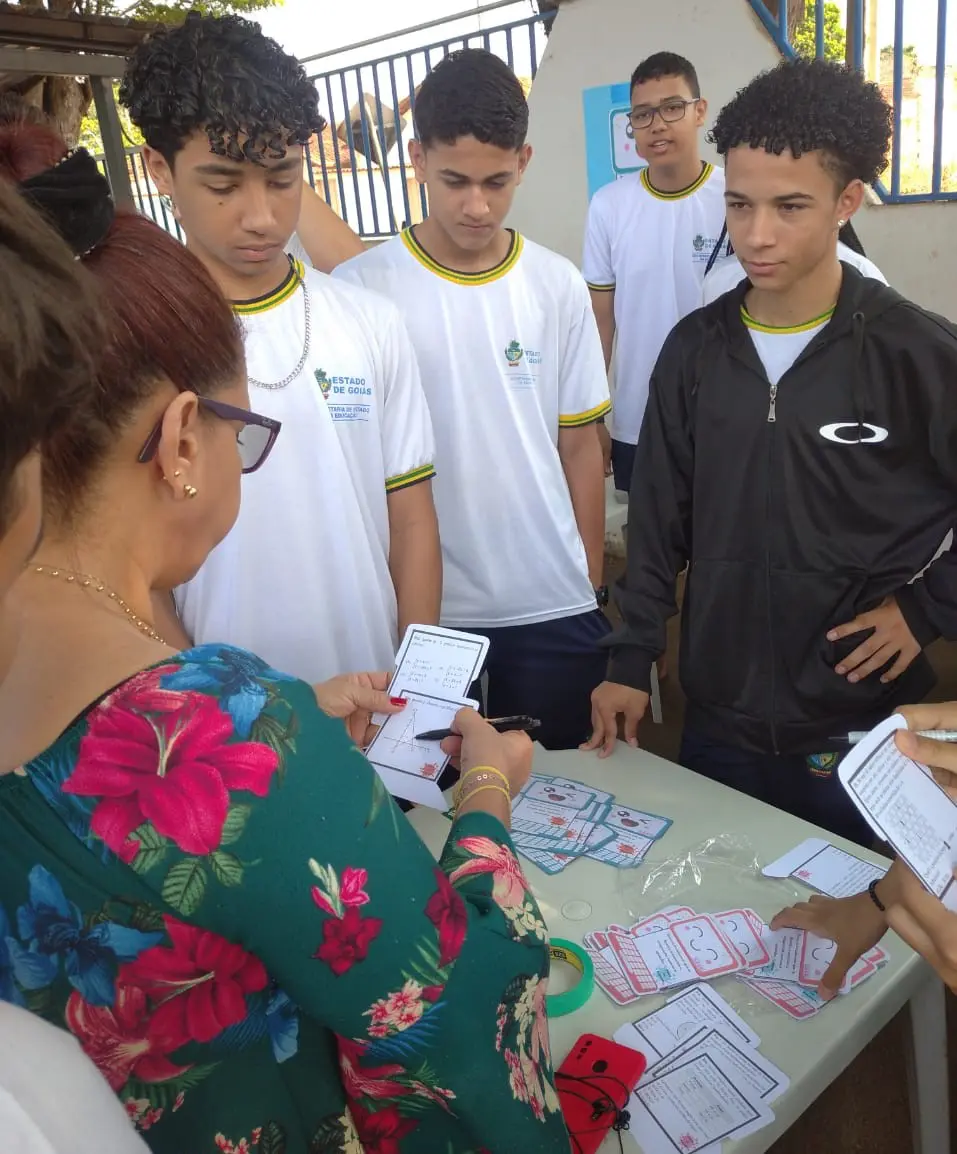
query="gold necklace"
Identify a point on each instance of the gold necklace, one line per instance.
(85, 581)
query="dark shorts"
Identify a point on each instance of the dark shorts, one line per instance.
(805, 785)
(548, 670)
(622, 464)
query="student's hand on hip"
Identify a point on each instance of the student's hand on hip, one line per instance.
(925, 925)
(855, 924)
(609, 701)
(355, 697)
(891, 638)
(480, 744)
(939, 756)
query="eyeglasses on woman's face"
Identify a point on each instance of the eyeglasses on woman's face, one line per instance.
(255, 439)
(670, 112)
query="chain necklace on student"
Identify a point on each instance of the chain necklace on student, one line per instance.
(290, 377)
(85, 581)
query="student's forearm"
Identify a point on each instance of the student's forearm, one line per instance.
(327, 239)
(415, 562)
(582, 462)
(603, 305)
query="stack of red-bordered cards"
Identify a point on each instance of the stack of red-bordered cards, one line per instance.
(705, 1080)
(798, 961)
(672, 948)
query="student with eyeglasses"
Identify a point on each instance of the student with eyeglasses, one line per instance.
(648, 240)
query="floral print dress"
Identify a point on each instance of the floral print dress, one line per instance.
(205, 882)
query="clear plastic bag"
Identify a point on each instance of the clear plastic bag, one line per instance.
(721, 873)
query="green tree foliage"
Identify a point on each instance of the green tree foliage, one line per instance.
(804, 40)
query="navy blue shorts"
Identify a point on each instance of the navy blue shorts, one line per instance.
(548, 670)
(622, 464)
(805, 785)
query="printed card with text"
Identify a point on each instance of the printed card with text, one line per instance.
(904, 805)
(662, 1031)
(690, 1107)
(826, 868)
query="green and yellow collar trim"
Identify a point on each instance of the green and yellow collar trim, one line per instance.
(465, 278)
(291, 282)
(777, 330)
(706, 171)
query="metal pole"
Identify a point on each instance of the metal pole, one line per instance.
(112, 136)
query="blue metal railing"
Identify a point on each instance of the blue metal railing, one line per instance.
(911, 177)
(360, 165)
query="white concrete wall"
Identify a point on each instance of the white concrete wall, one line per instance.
(598, 42)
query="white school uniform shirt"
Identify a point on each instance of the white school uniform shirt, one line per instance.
(728, 272)
(779, 346)
(53, 1100)
(508, 357)
(651, 249)
(303, 579)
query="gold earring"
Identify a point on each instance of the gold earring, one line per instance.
(176, 474)
(841, 223)
(190, 491)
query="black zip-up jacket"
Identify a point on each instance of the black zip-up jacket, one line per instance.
(798, 508)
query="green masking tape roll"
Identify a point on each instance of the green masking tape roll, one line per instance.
(565, 1003)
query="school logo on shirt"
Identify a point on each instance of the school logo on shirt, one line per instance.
(822, 764)
(702, 247)
(323, 382)
(348, 397)
(523, 366)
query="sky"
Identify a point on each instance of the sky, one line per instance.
(310, 26)
(305, 27)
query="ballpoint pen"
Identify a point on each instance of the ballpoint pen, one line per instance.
(857, 735)
(501, 724)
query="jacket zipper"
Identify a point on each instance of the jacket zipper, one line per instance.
(772, 419)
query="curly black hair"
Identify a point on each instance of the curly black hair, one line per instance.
(811, 106)
(222, 75)
(472, 93)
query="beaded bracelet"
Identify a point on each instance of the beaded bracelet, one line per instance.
(479, 789)
(484, 769)
(483, 775)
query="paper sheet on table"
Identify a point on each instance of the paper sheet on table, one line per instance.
(750, 1071)
(904, 805)
(411, 768)
(692, 1107)
(825, 868)
(662, 1031)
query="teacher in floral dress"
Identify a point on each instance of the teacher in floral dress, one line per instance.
(201, 877)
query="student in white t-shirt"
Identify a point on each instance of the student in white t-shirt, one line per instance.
(512, 367)
(336, 547)
(649, 237)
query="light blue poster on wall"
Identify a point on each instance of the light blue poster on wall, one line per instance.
(609, 143)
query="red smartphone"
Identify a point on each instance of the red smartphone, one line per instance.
(594, 1084)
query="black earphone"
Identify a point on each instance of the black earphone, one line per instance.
(603, 1103)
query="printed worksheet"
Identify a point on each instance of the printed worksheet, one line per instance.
(904, 805)
(691, 1106)
(409, 767)
(438, 662)
(825, 868)
(662, 1031)
(745, 1065)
